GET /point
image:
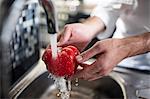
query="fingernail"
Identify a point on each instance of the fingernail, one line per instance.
(79, 58)
(58, 43)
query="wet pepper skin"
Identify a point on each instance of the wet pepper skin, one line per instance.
(65, 64)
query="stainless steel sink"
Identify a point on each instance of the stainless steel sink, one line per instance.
(106, 87)
(121, 83)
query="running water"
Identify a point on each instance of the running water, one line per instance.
(53, 43)
(61, 83)
(76, 82)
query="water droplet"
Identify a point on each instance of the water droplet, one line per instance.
(63, 85)
(58, 94)
(69, 85)
(76, 82)
(53, 43)
(49, 75)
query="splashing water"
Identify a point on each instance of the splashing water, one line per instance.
(76, 82)
(63, 85)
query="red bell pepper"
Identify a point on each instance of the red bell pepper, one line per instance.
(65, 64)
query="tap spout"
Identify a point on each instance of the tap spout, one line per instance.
(51, 16)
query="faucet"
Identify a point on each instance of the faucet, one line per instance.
(52, 24)
(51, 17)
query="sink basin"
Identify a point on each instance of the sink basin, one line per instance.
(106, 87)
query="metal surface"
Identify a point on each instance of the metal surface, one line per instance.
(5, 22)
(127, 83)
(27, 80)
(123, 83)
(17, 34)
(20, 42)
(37, 85)
(137, 83)
(51, 17)
(106, 87)
(24, 43)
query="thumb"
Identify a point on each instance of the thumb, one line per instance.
(65, 36)
(89, 53)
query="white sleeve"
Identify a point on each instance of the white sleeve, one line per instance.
(109, 11)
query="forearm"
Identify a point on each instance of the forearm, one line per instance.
(137, 44)
(95, 24)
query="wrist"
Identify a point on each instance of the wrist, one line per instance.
(136, 45)
(95, 25)
(147, 35)
(124, 48)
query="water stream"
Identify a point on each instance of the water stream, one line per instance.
(53, 43)
(62, 84)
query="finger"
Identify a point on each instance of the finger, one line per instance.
(48, 47)
(95, 70)
(96, 66)
(59, 35)
(105, 72)
(95, 77)
(79, 68)
(87, 71)
(84, 65)
(78, 74)
(75, 75)
(88, 68)
(65, 44)
(65, 36)
(82, 74)
(89, 53)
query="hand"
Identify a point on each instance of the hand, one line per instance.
(77, 34)
(108, 52)
(80, 34)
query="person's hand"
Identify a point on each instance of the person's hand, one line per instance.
(108, 54)
(80, 34)
(77, 34)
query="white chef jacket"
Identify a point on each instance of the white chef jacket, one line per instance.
(124, 18)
